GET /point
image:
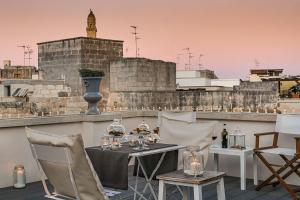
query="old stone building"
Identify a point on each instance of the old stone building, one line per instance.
(138, 82)
(16, 71)
(61, 59)
(141, 74)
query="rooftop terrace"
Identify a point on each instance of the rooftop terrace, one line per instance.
(34, 191)
(14, 149)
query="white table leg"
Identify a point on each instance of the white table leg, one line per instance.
(255, 177)
(197, 192)
(243, 171)
(186, 193)
(162, 190)
(221, 190)
(136, 180)
(216, 162)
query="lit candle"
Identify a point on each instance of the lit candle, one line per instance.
(115, 145)
(19, 177)
(195, 166)
(274, 111)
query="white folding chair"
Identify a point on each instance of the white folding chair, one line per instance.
(64, 162)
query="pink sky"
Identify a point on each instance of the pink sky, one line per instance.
(230, 34)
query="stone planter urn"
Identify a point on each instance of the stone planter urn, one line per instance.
(91, 80)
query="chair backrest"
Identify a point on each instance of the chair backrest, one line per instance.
(182, 128)
(56, 163)
(66, 165)
(288, 124)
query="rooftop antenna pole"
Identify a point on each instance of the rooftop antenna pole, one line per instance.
(136, 39)
(256, 63)
(189, 57)
(24, 50)
(178, 58)
(200, 56)
(29, 52)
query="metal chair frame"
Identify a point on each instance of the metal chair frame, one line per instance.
(68, 162)
(290, 167)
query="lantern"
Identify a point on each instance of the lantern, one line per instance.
(237, 140)
(19, 177)
(193, 161)
(105, 142)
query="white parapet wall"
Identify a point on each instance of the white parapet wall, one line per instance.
(14, 147)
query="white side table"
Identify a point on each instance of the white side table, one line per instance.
(243, 155)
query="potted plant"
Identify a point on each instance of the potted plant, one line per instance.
(91, 80)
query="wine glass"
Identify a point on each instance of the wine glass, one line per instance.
(214, 138)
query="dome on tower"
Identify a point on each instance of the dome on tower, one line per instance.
(91, 28)
(91, 17)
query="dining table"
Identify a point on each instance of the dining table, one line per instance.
(111, 165)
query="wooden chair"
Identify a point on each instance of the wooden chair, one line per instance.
(285, 124)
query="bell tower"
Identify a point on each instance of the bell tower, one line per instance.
(91, 29)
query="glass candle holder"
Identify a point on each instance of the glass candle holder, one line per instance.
(193, 161)
(19, 177)
(105, 142)
(237, 141)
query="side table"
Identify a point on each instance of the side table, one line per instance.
(243, 155)
(178, 178)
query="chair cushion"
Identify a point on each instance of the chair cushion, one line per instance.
(279, 151)
(86, 180)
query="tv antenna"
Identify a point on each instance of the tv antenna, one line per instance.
(178, 58)
(136, 39)
(200, 65)
(188, 66)
(24, 54)
(256, 62)
(29, 52)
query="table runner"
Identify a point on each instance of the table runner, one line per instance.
(111, 166)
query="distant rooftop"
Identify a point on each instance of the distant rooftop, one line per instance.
(265, 71)
(78, 38)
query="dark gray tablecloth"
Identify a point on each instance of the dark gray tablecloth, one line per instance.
(111, 166)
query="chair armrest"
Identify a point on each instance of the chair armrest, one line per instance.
(266, 133)
(297, 145)
(275, 140)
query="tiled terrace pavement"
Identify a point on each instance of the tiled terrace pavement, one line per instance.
(34, 191)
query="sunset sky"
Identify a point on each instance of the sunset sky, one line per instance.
(230, 34)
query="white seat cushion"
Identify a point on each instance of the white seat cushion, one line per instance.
(280, 151)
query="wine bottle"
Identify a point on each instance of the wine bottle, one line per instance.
(224, 137)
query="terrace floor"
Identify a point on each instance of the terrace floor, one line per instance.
(34, 191)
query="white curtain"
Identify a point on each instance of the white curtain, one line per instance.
(288, 124)
(182, 128)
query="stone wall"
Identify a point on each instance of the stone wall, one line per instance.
(204, 100)
(13, 107)
(62, 59)
(141, 74)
